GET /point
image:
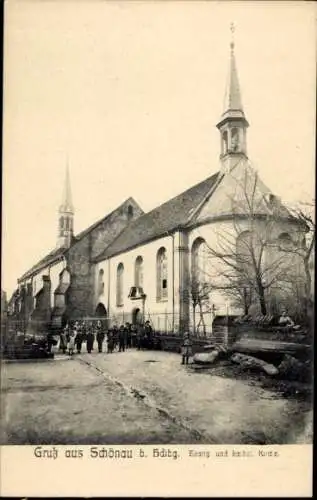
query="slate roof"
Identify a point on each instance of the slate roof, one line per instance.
(167, 217)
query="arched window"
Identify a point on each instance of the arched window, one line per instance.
(243, 246)
(285, 242)
(235, 139)
(138, 272)
(225, 142)
(130, 212)
(199, 260)
(161, 272)
(101, 285)
(120, 273)
(249, 252)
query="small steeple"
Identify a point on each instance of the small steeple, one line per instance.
(66, 214)
(233, 124)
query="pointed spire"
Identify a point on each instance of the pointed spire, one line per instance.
(233, 123)
(233, 103)
(233, 100)
(67, 203)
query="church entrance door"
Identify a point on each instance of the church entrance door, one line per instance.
(137, 318)
(101, 314)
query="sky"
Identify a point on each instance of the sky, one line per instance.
(129, 94)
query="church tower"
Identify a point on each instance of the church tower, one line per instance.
(66, 215)
(233, 124)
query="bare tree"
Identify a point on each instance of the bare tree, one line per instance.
(247, 256)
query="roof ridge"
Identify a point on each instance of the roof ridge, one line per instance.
(177, 195)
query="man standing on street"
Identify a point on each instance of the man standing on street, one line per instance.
(122, 338)
(90, 337)
(79, 337)
(100, 335)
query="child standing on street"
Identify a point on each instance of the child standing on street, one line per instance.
(186, 349)
(71, 343)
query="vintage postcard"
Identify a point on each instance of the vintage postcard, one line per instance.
(157, 296)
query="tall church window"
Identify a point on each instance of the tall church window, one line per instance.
(199, 260)
(120, 283)
(244, 245)
(138, 272)
(162, 275)
(101, 284)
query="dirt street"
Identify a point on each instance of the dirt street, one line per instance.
(141, 397)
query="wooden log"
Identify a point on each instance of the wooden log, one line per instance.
(253, 363)
(248, 345)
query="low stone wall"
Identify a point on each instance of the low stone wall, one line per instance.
(173, 343)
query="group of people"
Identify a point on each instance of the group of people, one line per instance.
(73, 336)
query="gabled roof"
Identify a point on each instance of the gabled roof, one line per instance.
(167, 217)
(57, 253)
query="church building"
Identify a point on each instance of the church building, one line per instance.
(134, 266)
(157, 267)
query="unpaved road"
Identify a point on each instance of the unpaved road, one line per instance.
(141, 397)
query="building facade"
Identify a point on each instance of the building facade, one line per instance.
(178, 265)
(171, 265)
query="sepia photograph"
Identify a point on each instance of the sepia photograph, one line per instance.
(158, 223)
